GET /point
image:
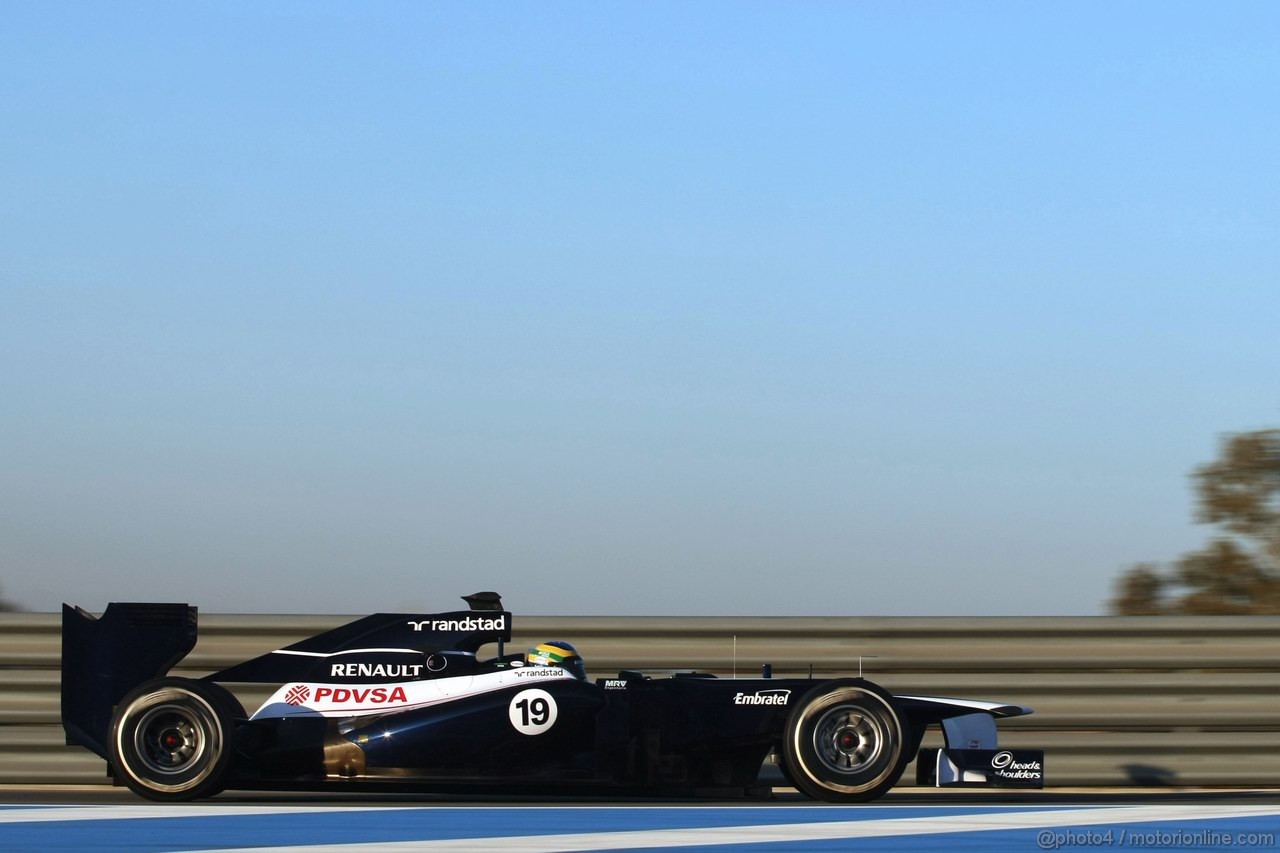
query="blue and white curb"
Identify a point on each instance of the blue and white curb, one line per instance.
(560, 829)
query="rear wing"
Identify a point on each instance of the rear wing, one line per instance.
(104, 658)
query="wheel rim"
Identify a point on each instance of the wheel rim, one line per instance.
(169, 740)
(848, 740)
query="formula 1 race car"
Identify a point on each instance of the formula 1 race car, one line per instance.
(406, 701)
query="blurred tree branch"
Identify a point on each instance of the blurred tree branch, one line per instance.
(1238, 572)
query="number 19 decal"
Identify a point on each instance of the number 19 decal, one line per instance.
(532, 712)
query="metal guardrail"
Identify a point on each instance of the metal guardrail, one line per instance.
(1118, 700)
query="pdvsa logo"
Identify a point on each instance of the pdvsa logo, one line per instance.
(361, 696)
(763, 697)
(297, 694)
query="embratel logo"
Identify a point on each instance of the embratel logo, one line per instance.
(470, 623)
(297, 694)
(763, 697)
(1006, 767)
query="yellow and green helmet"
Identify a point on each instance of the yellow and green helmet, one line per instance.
(558, 653)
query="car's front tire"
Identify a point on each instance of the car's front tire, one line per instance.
(844, 742)
(173, 739)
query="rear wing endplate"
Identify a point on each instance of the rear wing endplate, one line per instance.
(104, 658)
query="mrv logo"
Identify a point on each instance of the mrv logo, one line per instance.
(763, 697)
(1006, 766)
(470, 623)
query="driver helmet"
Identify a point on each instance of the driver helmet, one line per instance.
(558, 653)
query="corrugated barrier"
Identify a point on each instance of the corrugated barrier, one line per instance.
(1118, 700)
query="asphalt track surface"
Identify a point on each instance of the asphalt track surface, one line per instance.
(106, 795)
(93, 818)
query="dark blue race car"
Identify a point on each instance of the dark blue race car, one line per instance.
(407, 701)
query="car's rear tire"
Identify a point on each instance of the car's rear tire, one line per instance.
(173, 739)
(844, 742)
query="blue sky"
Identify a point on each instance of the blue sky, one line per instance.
(674, 308)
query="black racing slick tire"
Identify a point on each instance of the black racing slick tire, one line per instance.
(173, 739)
(844, 742)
